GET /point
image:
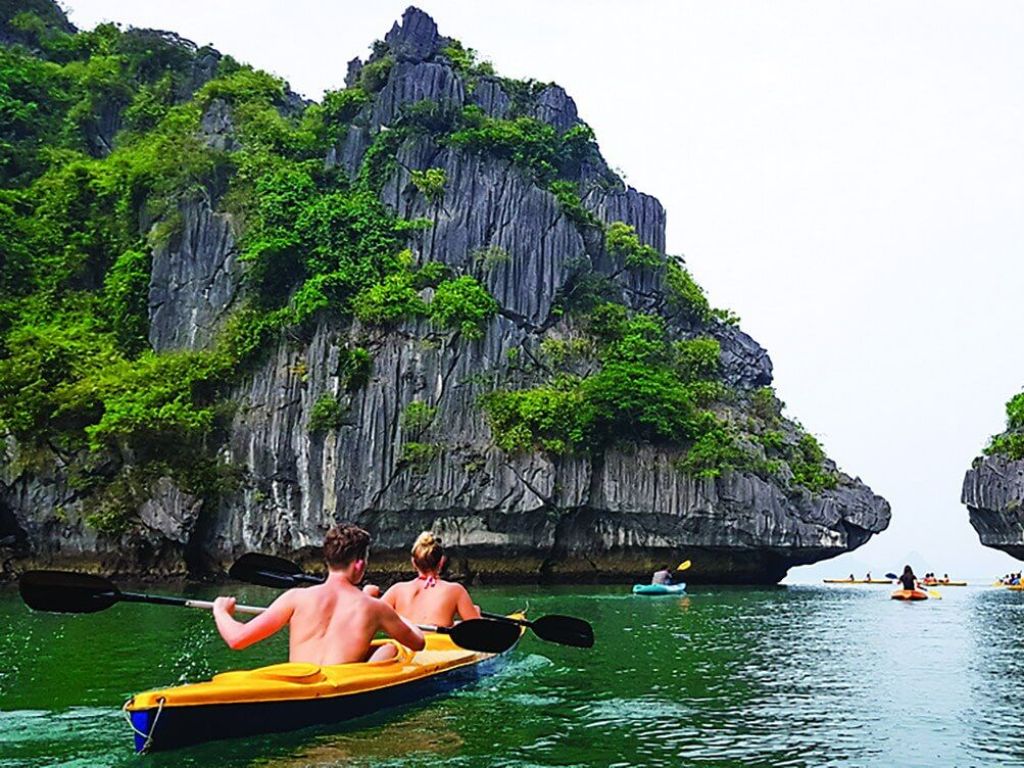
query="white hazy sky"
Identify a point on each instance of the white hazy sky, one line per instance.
(847, 176)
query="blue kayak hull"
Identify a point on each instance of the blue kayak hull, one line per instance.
(659, 589)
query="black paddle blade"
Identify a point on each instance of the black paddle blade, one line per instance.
(269, 571)
(566, 630)
(66, 592)
(485, 635)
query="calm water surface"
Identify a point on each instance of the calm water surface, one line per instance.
(797, 676)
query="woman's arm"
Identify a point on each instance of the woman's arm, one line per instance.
(465, 606)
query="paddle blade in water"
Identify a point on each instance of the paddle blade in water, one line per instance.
(566, 630)
(485, 635)
(65, 592)
(268, 571)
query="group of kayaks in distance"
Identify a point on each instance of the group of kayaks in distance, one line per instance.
(1010, 580)
(911, 588)
(928, 581)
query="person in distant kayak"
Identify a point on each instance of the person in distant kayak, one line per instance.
(908, 579)
(429, 599)
(331, 623)
(663, 576)
(852, 578)
(868, 577)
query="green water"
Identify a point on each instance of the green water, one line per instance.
(798, 676)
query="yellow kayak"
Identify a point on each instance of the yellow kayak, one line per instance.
(944, 583)
(909, 594)
(285, 697)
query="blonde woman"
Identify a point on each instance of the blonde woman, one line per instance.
(429, 599)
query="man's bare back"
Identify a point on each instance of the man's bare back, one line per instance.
(331, 623)
(425, 602)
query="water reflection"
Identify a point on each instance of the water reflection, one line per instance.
(421, 734)
(996, 671)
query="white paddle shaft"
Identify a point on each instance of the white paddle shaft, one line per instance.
(255, 610)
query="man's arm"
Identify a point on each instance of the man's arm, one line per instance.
(465, 606)
(238, 635)
(394, 625)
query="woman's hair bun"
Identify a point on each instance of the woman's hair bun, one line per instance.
(427, 551)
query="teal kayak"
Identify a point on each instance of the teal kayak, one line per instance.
(659, 589)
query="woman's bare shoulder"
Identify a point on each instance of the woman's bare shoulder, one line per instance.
(400, 586)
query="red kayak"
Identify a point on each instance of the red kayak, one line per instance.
(909, 594)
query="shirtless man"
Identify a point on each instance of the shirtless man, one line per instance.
(428, 599)
(331, 623)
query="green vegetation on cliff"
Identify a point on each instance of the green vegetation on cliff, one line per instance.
(80, 218)
(1011, 442)
(104, 146)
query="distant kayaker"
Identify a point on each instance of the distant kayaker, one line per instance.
(908, 579)
(331, 623)
(852, 578)
(868, 577)
(429, 599)
(663, 576)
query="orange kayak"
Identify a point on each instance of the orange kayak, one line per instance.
(909, 594)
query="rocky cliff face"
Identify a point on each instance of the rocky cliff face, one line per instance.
(993, 492)
(608, 514)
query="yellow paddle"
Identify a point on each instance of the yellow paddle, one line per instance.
(683, 565)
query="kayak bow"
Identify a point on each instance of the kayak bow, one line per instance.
(290, 696)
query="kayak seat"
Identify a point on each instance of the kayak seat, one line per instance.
(291, 672)
(403, 656)
(307, 674)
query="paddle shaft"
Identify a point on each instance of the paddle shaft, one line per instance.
(138, 597)
(502, 617)
(255, 610)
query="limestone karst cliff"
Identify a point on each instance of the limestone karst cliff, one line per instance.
(993, 487)
(425, 302)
